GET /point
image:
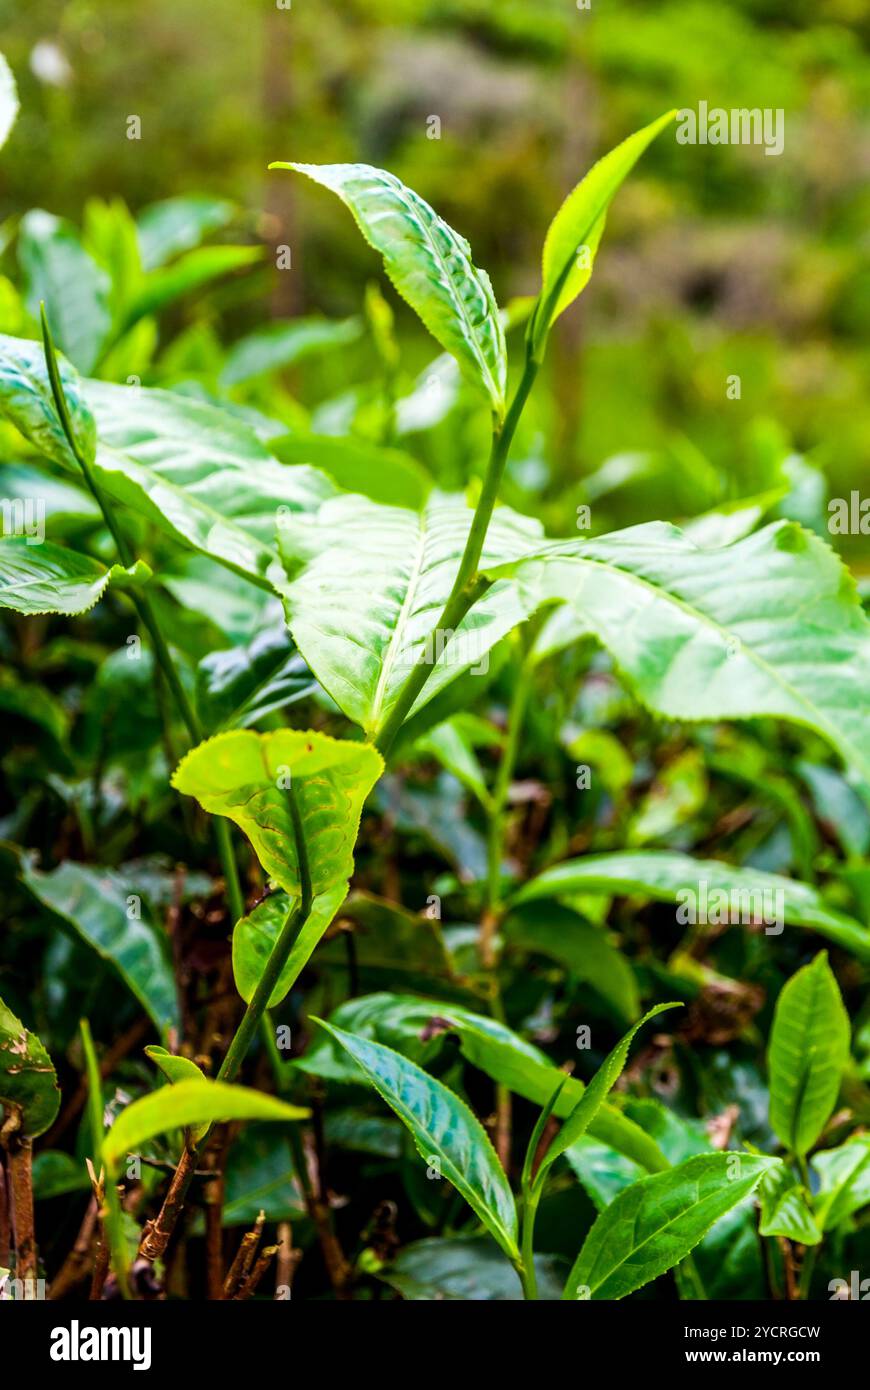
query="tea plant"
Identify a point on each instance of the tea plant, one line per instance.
(397, 597)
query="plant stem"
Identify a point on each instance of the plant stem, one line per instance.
(807, 1267)
(19, 1167)
(531, 1198)
(504, 777)
(144, 608)
(468, 584)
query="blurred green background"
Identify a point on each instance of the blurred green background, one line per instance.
(718, 261)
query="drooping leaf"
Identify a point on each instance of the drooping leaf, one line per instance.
(844, 1185)
(363, 609)
(60, 273)
(784, 636)
(584, 1112)
(280, 344)
(47, 578)
(729, 891)
(255, 935)
(186, 1104)
(577, 228)
(28, 1083)
(8, 100)
(658, 1220)
(429, 264)
(548, 928)
(26, 401)
(470, 1271)
(399, 1021)
(99, 905)
(442, 1128)
(237, 687)
(784, 1208)
(244, 775)
(809, 1048)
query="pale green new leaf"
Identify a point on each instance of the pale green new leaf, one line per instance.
(46, 578)
(590, 1103)
(577, 228)
(769, 626)
(784, 1208)
(244, 775)
(278, 345)
(185, 1104)
(746, 895)
(844, 1185)
(174, 1067)
(363, 608)
(443, 1128)
(75, 290)
(173, 225)
(658, 1220)
(255, 935)
(430, 266)
(809, 1048)
(28, 1084)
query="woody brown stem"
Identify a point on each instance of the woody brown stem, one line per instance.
(19, 1168)
(156, 1234)
(263, 1261)
(75, 1266)
(241, 1265)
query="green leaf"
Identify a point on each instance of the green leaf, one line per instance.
(784, 1208)
(256, 934)
(443, 1127)
(501, 1054)
(657, 1221)
(178, 224)
(75, 290)
(470, 1271)
(280, 344)
(844, 1185)
(46, 578)
(363, 608)
(548, 928)
(730, 892)
(390, 944)
(242, 775)
(809, 1048)
(97, 904)
(578, 227)
(430, 266)
(174, 1067)
(28, 1084)
(26, 401)
(387, 476)
(194, 270)
(694, 647)
(186, 1104)
(239, 686)
(586, 1109)
(8, 100)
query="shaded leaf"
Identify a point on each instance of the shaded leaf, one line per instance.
(59, 272)
(844, 1185)
(280, 344)
(28, 1083)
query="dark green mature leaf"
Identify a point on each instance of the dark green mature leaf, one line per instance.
(546, 927)
(237, 687)
(694, 647)
(244, 775)
(255, 935)
(584, 1112)
(185, 1104)
(471, 1271)
(442, 1127)
(729, 892)
(28, 1084)
(400, 1021)
(106, 913)
(280, 344)
(657, 1221)
(809, 1048)
(363, 609)
(46, 578)
(577, 228)
(26, 401)
(844, 1185)
(59, 272)
(430, 266)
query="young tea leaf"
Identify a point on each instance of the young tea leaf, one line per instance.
(443, 1129)
(844, 1181)
(430, 266)
(47, 578)
(809, 1048)
(255, 935)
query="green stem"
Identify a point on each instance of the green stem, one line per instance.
(504, 777)
(145, 610)
(532, 1197)
(469, 584)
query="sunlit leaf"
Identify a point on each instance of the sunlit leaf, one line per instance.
(809, 1047)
